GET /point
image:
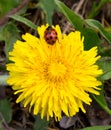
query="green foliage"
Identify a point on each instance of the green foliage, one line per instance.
(106, 66)
(7, 5)
(1, 125)
(96, 25)
(91, 38)
(48, 8)
(96, 8)
(74, 19)
(40, 124)
(98, 128)
(6, 110)
(101, 100)
(9, 34)
(24, 20)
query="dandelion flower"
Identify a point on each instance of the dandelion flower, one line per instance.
(54, 79)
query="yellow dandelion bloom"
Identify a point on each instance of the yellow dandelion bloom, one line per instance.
(54, 79)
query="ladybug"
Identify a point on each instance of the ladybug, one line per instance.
(50, 35)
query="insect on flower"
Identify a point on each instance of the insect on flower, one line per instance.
(50, 35)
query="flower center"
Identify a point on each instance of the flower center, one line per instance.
(56, 71)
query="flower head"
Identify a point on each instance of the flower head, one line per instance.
(54, 78)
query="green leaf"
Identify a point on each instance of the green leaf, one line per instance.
(24, 20)
(96, 8)
(74, 19)
(105, 51)
(1, 128)
(98, 26)
(6, 110)
(9, 33)
(106, 67)
(7, 5)
(40, 124)
(48, 8)
(97, 128)
(2, 37)
(91, 38)
(100, 99)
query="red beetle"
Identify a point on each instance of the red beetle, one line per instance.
(50, 35)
